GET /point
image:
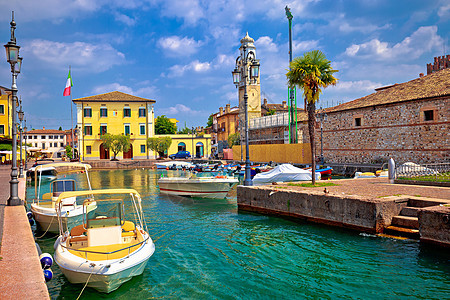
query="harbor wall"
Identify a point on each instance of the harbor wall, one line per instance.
(434, 225)
(280, 153)
(121, 164)
(369, 215)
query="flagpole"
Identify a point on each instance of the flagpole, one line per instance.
(71, 114)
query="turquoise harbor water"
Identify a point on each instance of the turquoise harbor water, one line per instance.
(206, 249)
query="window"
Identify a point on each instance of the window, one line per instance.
(357, 121)
(61, 137)
(61, 144)
(127, 129)
(30, 137)
(35, 144)
(2, 129)
(35, 137)
(87, 112)
(43, 137)
(103, 129)
(88, 149)
(2, 109)
(141, 111)
(428, 115)
(103, 112)
(88, 130)
(142, 148)
(50, 137)
(127, 112)
(43, 145)
(55, 145)
(142, 129)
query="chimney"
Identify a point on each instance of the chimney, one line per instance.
(220, 111)
(421, 75)
(43, 127)
(227, 108)
(283, 104)
(265, 102)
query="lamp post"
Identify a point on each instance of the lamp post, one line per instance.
(192, 144)
(12, 56)
(25, 131)
(20, 113)
(322, 116)
(240, 77)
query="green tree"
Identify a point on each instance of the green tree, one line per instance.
(210, 121)
(185, 130)
(271, 112)
(60, 128)
(164, 126)
(69, 151)
(234, 139)
(311, 72)
(159, 144)
(116, 143)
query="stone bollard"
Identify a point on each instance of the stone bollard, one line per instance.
(391, 170)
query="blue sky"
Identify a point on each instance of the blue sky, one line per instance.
(181, 52)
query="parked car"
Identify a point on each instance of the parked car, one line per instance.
(180, 154)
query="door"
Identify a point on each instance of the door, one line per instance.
(104, 153)
(129, 153)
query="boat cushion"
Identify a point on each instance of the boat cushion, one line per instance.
(128, 226)
(77, 230)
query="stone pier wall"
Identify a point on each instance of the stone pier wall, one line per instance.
(434, 225)
(370, 215)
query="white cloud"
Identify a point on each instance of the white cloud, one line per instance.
(196, 66)
(266, 43)
(423, 40)
(356, 86)
(444, 11)
(82, 56)
(178, 109)
(147, 91)
(125, 19)
(188, 10)
(176, 46)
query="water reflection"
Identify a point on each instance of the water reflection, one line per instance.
(206, 248)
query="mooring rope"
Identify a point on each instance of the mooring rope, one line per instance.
(48, 227)
(85, 285)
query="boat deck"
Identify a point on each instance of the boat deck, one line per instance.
(106, 249)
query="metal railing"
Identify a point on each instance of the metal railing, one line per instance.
(269, 121)
(438, 172)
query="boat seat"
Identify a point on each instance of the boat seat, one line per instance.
(77, 230)
(78, 239)
(128, 229)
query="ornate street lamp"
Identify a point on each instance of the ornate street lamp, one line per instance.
(244, 62)
(20, 113)
(12, 56)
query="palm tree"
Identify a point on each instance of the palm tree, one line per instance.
(310, 73)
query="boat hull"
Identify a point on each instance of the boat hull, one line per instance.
(47, 219)
(216, 188)
(105, 275)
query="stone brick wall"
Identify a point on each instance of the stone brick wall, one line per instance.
(396, 130)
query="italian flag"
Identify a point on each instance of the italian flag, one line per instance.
(69, 84)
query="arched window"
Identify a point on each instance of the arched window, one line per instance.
(181, 146)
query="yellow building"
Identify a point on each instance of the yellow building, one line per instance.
(5, 116)
(114, 113)
(199, 145)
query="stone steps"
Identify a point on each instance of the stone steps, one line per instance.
(410, 211)
(402, 231)
(405, 221)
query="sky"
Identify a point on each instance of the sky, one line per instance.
(181, 52)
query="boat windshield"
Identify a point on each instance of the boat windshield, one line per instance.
(63, 186)
(107, 213)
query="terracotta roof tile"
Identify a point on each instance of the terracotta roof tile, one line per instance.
(433, 85)
(113, 97)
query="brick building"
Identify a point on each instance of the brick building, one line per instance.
(407, 121)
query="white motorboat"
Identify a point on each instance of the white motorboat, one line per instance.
(284, 173)
(44, 208)
(174, 165)
(206, 187)
(106, 250)
(45, 172)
